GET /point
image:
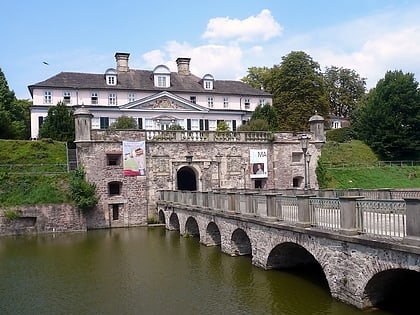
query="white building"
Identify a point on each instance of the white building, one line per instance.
(157, 99)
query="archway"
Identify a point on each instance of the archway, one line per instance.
(186, 179)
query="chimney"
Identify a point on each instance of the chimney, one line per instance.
(183, 66)
(122, 62)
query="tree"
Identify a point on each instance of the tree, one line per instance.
(264, 118)
(222, 126)
(59, 124)
(124, 122)
(14, 114)
(388, 119)
(299, 91)
(258, 77)
(345, 89)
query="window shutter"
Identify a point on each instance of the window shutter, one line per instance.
(206, 124)
(234, 125)
(201, 124)
(188, 124)
(140, 123)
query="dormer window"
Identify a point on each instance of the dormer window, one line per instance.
(162, 76)
(208, 81)
(111, 76)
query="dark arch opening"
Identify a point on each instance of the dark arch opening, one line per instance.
(394, 290)
(241, 243)
(161, 217)
(214, 233)
(173, 222)
(191, 228)
(186, 179)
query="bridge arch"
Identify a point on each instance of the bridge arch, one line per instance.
(161, 217)
(173, 222)
(241, 244)
(186, 178)
(191, 227)
(213, 236)
(391, 285)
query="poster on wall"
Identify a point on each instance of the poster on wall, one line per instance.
(134, 155)
(258, 163)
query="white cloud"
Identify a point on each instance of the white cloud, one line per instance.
(254, 28)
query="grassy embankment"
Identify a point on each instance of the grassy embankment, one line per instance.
(33, 172)
(354, 165)
(33, 178)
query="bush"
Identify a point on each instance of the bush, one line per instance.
(341, 135)
(82, 192)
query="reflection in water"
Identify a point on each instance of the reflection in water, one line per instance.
(146, 271)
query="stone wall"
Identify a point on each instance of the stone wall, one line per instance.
(42, 219)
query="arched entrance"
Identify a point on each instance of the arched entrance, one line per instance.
(186, 178)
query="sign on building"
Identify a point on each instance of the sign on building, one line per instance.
(258, 163)
(134, 155)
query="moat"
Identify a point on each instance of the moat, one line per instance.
(147, 271)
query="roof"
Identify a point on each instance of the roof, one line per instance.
(142, 80)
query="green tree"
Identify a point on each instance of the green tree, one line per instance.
(388, 119)
(14, 114)
(258, 77)
(175, 127)
(345, 89)
(222, 126)
(299, 91)
(255, 125)
(124, 122)
(83, 193)
(59, 124)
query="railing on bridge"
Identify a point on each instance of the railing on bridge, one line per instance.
(350, 215)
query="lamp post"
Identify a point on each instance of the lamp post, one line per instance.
(308, 160)
(304, 141)
(244, 170)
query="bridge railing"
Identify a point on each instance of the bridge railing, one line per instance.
(350, 215)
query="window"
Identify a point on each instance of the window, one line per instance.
(111, 80)
(247, 103)
(94, 98)
(195, 124)
(112, 99)
(261, 102)
(208, 85)
(66, 97)
(297, 157)
(161, 81)
(104, 123)
(210, 101)
(113, 159)
(114, 188)
(212, 125)
(47, 97)
(193, 99)
(226, 102)
(131, 97)
(148, 124)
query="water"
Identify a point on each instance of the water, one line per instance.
(146, 271)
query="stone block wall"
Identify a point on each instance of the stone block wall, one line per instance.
(43, 219)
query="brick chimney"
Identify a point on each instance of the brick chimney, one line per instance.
(122, 62)
(183, 66)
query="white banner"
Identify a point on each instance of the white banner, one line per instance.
(258, 163)
(134, 155)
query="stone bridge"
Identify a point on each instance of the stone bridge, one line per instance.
(359, 270)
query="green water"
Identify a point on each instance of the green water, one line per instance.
(146, 271)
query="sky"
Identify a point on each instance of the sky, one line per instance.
(222, 37)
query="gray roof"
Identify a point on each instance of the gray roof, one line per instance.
(142, 80)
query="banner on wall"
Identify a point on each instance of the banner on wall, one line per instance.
(258, 163)
(134, 155)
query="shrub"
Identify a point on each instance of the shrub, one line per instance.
(82, 192)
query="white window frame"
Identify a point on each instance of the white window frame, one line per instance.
(208, 85)
(261, 101)
(226, 102)
(212, 125)
(67, 97)
(247, 103)
(94, 98)
(162, 80)
(112, 98)
(47, 97)
(131, 97)
(149, 124)
(210, 101)
(195, 124)
(111, 80)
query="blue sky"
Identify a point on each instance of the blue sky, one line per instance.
(222, 37)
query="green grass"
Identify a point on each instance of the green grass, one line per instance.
(354, 165)
(37, 186)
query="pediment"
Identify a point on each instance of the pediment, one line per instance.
(164, 101)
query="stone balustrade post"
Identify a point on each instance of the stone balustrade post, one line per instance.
(412, 221)
(348, 215)
(231, 201)
(271, 205)
(304, 218)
